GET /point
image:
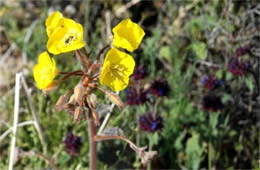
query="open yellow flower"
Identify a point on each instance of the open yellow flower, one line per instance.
(128, 35)
(117, 68)
(52, 22)
(67, 36)
(45, 71)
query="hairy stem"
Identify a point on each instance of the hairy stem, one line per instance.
(102, 51)
(87, 55)
(78, 72)
(92, 144)
(80, 57)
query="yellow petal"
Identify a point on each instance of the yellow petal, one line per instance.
(45, 71)
(117, 68)
(52, 22)
(68, 37)
(128, 35)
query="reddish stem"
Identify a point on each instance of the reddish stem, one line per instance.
(87, 55)
(64, 72)
(71, 74)
(80, 57)
(102, 51)
(92, 144)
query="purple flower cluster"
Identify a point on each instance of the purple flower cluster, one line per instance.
(211, 82)
(140, 72)
(238, 67)
(150, 123)
(73, 144)
(212, 103)
(160, 88)
(241, 51)
(136, 97)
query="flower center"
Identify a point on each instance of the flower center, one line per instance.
(119, 70)
(69, 39)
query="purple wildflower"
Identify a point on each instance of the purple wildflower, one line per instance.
(160, 88)
(148, 122)
(211, 82)
(140, 72)
(241, 51)
(212, 103)
(237, 67)
(135, 97)
(73, 144)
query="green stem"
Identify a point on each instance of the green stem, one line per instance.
(209, 157)
(149, 166)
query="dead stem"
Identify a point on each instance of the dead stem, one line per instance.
(48, 160)
(35, 116)
(132, 145)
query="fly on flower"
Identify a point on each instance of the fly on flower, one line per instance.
(45, 71)
(64, 34)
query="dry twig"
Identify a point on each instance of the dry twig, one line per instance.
(16, 116)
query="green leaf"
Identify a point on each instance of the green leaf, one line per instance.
(165, 53)
(178, 142)
(229, 76)
(249, 84)
(213, 121)
(226, 98)
(193, 151)
(200, 50)
(154, 138)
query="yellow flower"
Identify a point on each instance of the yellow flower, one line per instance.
(117, 68)
(67, 36)
(52, 22)
(128, 35)
(45, 71)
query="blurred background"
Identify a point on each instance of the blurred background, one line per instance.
(197, 71)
